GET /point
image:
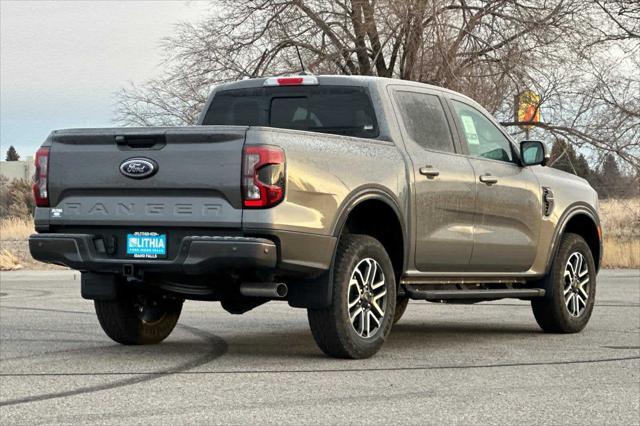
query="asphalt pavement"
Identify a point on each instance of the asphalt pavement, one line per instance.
(487, 363)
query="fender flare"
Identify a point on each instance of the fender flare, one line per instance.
(360, 195)
(569, 213)
(318, 292)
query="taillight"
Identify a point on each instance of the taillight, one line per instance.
(40, 186)
(263, 176)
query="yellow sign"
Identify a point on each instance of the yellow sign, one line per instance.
(527, 108)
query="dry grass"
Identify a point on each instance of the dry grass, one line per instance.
(16, 229)
(621, 223)
(620, 253)
(8, 262)
(621, 218)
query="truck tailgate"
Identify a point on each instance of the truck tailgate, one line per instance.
(196, 181)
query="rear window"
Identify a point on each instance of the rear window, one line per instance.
(339, 110)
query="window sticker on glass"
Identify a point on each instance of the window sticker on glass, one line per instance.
(470, 130)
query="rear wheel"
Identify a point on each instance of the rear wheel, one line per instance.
(363, 302)
(137, 319)
(570, 288)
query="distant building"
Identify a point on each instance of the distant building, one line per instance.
(18, 169)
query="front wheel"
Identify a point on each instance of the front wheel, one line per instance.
(138, 319)
(363, 302)
(570, 288)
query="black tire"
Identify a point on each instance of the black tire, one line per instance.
(553, 311)
(401, 307)
(138, 319)
(332, 327)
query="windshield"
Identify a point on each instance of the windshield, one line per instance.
(340, 110)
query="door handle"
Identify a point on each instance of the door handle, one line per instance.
(488, 179)
(429, 171)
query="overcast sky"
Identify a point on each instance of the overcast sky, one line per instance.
(62, 61)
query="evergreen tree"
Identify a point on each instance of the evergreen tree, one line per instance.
(563, 156)
(582, 167)
(611, 178)
(12, 154)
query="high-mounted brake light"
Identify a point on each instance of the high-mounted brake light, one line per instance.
(40, 186)
(303, 80)
(263, 176)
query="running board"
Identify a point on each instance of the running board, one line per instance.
(516, 293)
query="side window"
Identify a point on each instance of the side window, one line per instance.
(482, 137)
(425, 121)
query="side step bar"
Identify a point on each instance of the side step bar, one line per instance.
(516, 293)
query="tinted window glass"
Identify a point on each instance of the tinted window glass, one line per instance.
(482, 137)
(339, 110)
(425, 121)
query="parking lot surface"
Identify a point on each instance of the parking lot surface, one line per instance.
(487, 363)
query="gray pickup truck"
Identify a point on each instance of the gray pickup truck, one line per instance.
(346, 196)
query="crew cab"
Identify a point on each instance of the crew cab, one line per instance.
(347, 196)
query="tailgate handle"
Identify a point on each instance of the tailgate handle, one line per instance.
(141, 141)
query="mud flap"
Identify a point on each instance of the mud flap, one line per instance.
(312, 293)
(95, 286)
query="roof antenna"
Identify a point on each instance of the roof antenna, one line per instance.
(304, 69)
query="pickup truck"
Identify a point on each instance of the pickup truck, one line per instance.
(347, 196)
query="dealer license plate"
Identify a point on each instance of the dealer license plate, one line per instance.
(147, 245)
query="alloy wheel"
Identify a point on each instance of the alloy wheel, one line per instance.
(576, 284)
(367, 298)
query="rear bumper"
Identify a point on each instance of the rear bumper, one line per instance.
(196, 255)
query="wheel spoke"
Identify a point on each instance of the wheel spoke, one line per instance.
(355, 314)
(366, 325)
(378, 308)
(580, 303)
(354, 303)
(583, 293)
(571, 304)
(352, 284)
(380, 294)
(578, 267)
(371, 271)
(377, 285)
(571, 268)
(569, 299)
(373, 317)
(360, 284)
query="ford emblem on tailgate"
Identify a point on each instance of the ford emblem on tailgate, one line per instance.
(138, 168)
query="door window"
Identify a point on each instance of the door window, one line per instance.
(425, 121)
(482, 137)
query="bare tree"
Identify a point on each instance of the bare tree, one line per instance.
(591, 83)
(582, 56)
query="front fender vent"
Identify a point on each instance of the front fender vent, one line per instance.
(547, 201)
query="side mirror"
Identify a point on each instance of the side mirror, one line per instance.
(532, 153)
